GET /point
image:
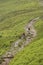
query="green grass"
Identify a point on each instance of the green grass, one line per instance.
(33, 53)
(14, 15)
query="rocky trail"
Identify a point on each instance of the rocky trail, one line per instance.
(25, 39)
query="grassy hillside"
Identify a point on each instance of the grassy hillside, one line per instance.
(33, 53)
(14, 15)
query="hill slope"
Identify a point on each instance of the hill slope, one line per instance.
(33, 53)
(14, 15)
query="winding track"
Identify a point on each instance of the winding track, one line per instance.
(11, 53)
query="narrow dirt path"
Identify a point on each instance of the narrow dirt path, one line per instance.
(25, 39)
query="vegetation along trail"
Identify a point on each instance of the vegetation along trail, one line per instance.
(24, 40)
